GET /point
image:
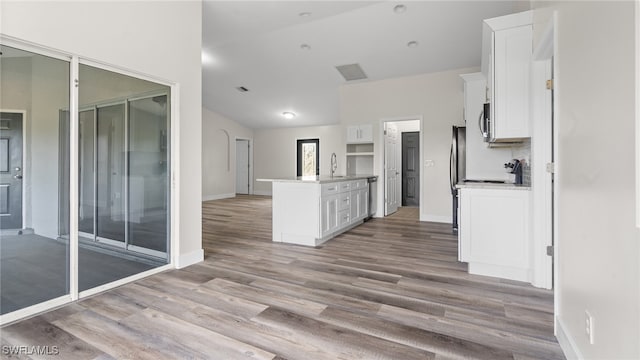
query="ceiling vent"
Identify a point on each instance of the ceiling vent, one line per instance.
(351, 72)
(242, 89)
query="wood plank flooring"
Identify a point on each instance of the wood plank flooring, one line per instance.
(388, 289)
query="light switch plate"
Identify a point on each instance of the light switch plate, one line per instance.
(429, 163)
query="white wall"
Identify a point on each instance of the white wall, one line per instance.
(219, 136)
(160, 38)
(275, 155)
(598, 244)
(438, 97)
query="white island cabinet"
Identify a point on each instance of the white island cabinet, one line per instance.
(494, 230)
(310, 211)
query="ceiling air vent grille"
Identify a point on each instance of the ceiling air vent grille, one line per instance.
(351, 72)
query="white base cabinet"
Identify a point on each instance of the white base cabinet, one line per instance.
(310, 213)
(494, 232)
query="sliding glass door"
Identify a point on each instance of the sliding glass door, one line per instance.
(148, 176)
(123, 156)
(118, 149)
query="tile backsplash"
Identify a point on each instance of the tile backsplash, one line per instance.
(523, 153)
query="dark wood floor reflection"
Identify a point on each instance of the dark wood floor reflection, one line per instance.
(389, 289)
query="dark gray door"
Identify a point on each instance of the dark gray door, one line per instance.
(410, 169)
(10, 170)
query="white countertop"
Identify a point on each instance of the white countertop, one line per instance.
(481, 185)
(319, 179)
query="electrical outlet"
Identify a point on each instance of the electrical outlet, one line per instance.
(588, 322)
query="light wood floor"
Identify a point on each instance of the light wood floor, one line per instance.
(389, 289)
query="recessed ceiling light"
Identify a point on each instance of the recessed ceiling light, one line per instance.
(412, 44)
(288, 115)
(305, 14)
(399, 9)
(305, 47)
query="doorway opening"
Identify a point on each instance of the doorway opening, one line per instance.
(410, 168)
(308, 157)
(401, 180)
(243, 166)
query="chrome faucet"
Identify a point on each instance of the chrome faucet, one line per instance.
(334, 164)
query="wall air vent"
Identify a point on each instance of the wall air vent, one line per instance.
(242, 89)
(351, 72)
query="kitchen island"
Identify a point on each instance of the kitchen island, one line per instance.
(311, 210)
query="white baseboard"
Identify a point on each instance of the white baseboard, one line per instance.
(217, 197)
(191, 258)
(436, 218)
(566, 342)
(262, 192)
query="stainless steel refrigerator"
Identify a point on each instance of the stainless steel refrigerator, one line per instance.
(457, 163)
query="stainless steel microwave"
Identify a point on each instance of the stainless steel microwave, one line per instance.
(484, 122)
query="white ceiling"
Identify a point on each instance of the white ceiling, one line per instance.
(256, 44)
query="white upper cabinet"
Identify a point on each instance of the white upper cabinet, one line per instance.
(506, 56)
(474, 97)
(360, 134)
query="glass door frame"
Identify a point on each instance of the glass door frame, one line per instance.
(126, 244)
(74, 294)
(172, 114)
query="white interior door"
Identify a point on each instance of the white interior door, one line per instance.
(242, 166)
(391, 171)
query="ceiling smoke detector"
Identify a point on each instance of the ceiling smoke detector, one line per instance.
(412, 44)
(304, 14)
(305, 47)
(351, 72)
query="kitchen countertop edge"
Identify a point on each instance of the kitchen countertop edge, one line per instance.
(318, 179)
